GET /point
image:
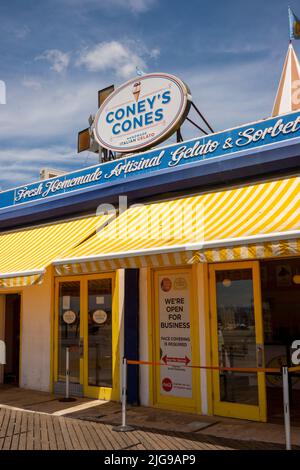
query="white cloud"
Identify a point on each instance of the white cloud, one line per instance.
(230, 96)
(54, 111)
(134, 6)
(112, 56)
(154, 53)
(31, 83)
(22, 165)
(59, 60)
(22, 32)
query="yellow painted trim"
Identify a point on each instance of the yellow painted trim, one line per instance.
(150, 324)
(176, 407)
(173, 403)
(82, 333)
(203, 294)
(52, 323)
(12, 291)
(195, 337)
(209, 375)
(235, 410)
(259, 329)
(21, 335)
(55, 331)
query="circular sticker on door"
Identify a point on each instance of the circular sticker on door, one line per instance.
(166, 284)
(167, 384)
(69, 317)
(180, 283)
(99, 317)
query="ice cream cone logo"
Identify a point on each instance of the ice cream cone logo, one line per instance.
(136, 91)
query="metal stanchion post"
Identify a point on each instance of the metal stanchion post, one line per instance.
(124, 427)
(67, 373)
(67, 397)
(286, 407)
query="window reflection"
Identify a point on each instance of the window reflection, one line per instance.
(69, 329)
(236, 335)
(100, 333)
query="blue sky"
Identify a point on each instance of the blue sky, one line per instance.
(56, 54)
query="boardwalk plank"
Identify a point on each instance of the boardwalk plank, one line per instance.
(95, 436)
(11, 424)
(44, 433)
(147, 443)
(17, 429)
(7, 443)
(24, 422)
(88, 436)
(72, 433)
(80, 436)
(110, 435)
(128, 437)
(102, 437)
(34, 431)
(65, 433)
(37, 432)
(5, 423)
(58, 434)
(2, 415)
(51, 435)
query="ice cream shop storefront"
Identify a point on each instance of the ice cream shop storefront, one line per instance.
(184, 255)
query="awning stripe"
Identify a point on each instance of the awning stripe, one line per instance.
(249, 222)
(32, 249)
(283, 248)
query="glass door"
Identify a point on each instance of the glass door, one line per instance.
(98, 338)
(237, 340)
(87, 323)
(69, 334)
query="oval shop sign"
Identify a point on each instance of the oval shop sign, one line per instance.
(142, 113)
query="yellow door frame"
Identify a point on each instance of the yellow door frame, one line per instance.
(235, 410)
(103, 393)
(160, 401)
(91, 391)
(8, 291)
(58, 281)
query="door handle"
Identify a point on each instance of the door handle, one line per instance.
(260, 355)
(81, 348)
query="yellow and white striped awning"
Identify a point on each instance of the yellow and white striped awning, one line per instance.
(25, 254)
(260, 220)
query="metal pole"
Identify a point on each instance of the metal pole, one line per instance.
(124, 392)
(286, 407)
(67, 373)
(124, 427)
(67, 397)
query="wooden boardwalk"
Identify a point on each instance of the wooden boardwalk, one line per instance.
(25, 430)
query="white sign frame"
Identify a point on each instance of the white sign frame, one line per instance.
(172, 113)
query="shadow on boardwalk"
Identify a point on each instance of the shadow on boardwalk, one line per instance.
(25, 430)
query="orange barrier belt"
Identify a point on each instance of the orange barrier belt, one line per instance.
(224, 369)
(294, 369)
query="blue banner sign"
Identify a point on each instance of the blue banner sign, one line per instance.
(267, 133)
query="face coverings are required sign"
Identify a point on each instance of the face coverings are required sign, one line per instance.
(174, 305)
